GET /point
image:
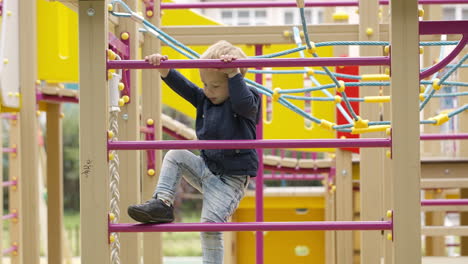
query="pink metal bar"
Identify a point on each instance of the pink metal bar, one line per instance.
(55, 98)
(441, 202)
(248, 144)
(9, 116)
(437, 67)
(443, 27)
(146, 130)
(9, 183)
(331, 3)
(10, 250)
(444, 136)
(9, 216)
(173, 134)
(246, 63)
(9, 150)
(297, 170)
(252, 226)
(301, 177)
(259, 212)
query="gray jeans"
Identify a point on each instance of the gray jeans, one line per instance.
(221, 195)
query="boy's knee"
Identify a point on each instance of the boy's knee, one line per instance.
(175, 154)
(211, 235)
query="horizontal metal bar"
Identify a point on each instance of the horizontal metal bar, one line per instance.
(250, 63)
(439, 202)
(9, 216)
(252, 226)
(249, 144)
(9, 183)
(331, 3)
(444, 136)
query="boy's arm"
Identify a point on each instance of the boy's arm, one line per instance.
(244, 101)
(183, 87)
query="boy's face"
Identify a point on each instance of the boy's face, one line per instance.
(215, 85)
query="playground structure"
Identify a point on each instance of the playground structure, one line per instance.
(404, 223)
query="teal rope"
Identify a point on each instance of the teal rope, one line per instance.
(452, 70)
(458, 111)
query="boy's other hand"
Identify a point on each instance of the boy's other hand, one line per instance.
(231, 72)
(155, 59)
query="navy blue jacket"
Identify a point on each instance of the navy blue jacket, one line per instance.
(235, 118)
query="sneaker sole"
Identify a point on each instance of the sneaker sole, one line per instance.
(143, 217)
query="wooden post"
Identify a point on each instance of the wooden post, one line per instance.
(14, 192)
(129, 129)
(94, 170)
(430, 56)
(435, 245)
(27, 152)
(344, 205)
(405, 175)
(330, 197)
(371, 160)
(330, 236)
(463, 121)
(151, 109)
(54, 146)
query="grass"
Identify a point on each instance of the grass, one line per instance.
(174, 244)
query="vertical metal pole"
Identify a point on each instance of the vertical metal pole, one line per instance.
(259, 178)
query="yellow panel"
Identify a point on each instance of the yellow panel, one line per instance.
(280, 246)
(57, 31)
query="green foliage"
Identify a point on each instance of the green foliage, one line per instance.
(71, 157)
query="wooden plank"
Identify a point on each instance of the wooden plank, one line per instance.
(444, 260)
(445, 231)
(129, 129)
(344, 205)
(430, 56)
(444, 183)
(435, 246)
(14, 204)
(330, 237)
(463, 148)
(54, 145)
(94, 171)
(151, 108)
(444, 170)
(371, 166)
(206, 35)
(27, 152)
(406, 202)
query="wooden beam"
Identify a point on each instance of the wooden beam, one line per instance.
(444, 183)
(129, 129)
(207, 35)
(445, 231)
(406, 202)
(151, 108)
(14, 203)
(444, 170)
(27, 152)
(94, 170)
(344, 205)
(371, 166)
(54, 146)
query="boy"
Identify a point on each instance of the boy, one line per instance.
(226, 109)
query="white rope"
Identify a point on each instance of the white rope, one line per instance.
(114, 185)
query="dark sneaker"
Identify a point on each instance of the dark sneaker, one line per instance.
(152, 211)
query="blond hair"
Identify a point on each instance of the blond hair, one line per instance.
(223, 47)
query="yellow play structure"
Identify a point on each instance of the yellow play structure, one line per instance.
(48, 44)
